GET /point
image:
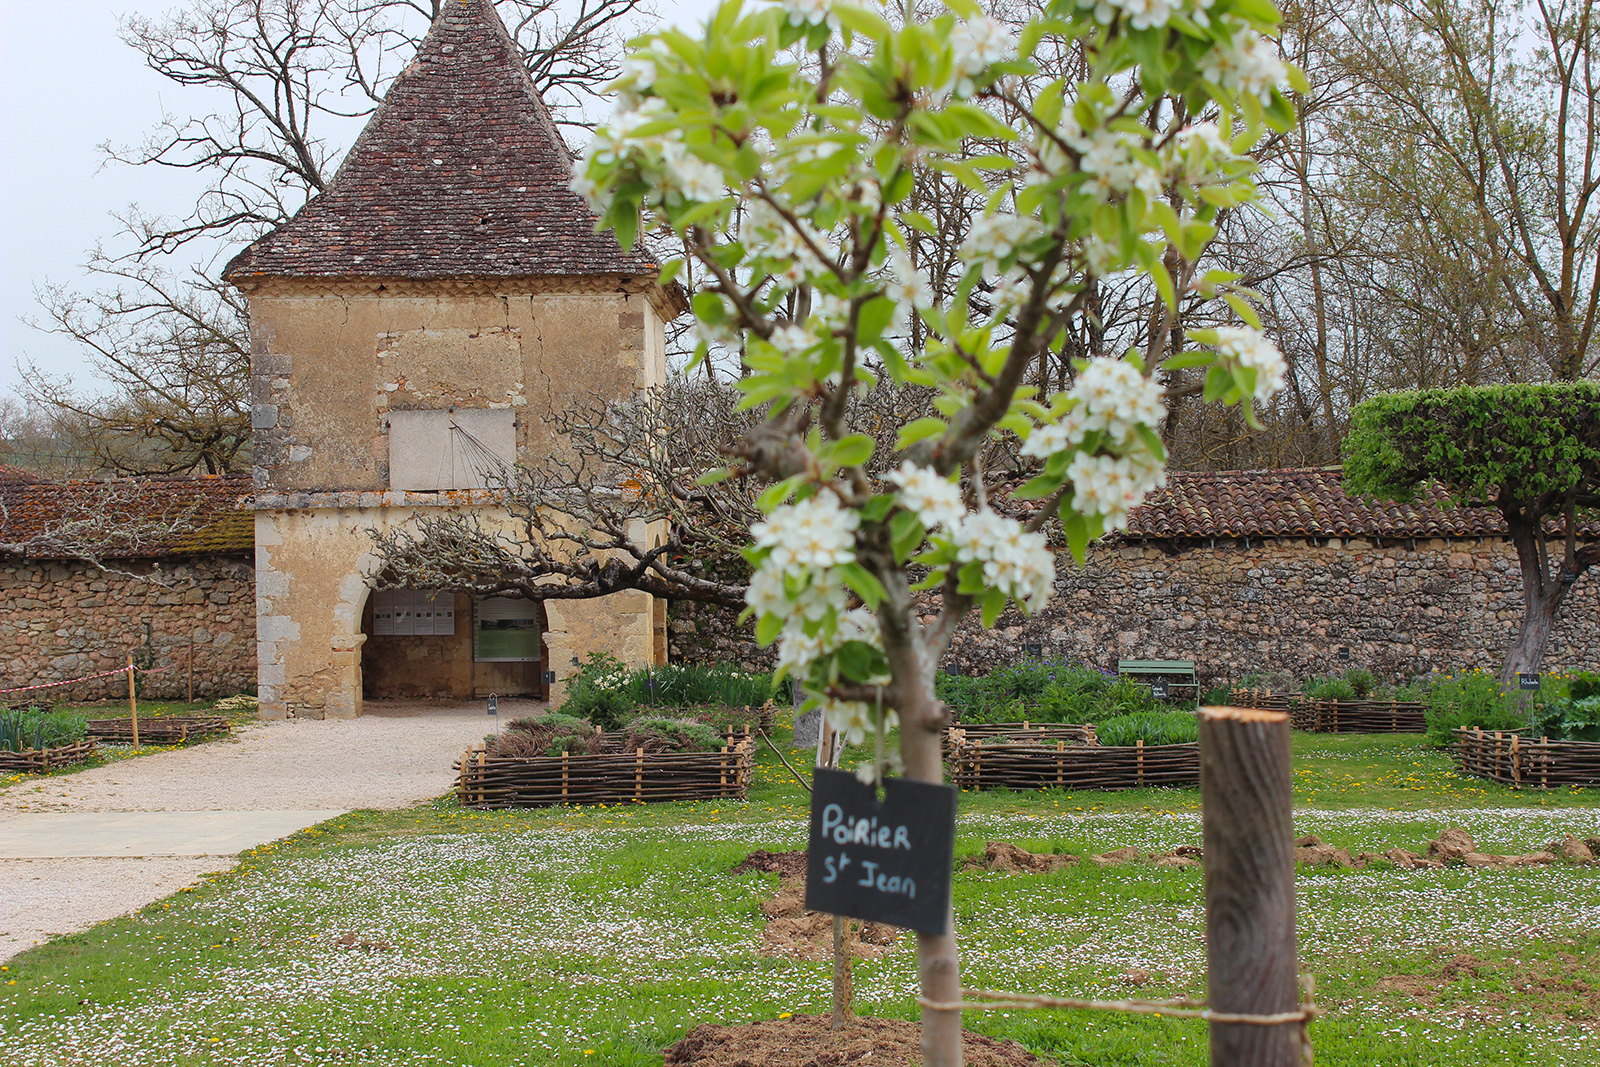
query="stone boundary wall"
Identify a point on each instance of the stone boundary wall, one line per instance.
(1402, 607)
(66, 619)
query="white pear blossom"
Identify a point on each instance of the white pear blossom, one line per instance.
(997, 236)
(1112, 485)
(1015, 561)
(691, 176)
(907, 286)
(977, 43)
(1251, 348)
(1142, 14)
(792, 340)
(639, 70)
(812, 12)
(1109, 158)
(812, 535)
(1116, 397)
(935, 499)
(1249, 63)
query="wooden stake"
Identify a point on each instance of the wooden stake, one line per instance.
(133, 703)
(843, 981)
(1245, 792)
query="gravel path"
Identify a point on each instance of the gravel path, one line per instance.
(397, 755)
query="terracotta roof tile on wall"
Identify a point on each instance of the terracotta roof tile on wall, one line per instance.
(460, 174)
(1300, 503)
(143, 518)
(15, 474)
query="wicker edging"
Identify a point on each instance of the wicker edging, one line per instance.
(978, 766)
(1032, 732)
(41, 760)
(1511, 758)
(1338, 716)
(168, 731)
(485, 781)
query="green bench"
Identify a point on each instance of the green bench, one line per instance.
(1176, 673)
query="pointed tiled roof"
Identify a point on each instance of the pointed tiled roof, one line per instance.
(461, 173)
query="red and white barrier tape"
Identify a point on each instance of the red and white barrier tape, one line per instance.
(85, 678)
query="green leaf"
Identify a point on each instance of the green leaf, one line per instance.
(1194, 358)
(1152, 441)
(1037, 488)
(865, 584)
(907, 533)
(852, 451)
(669, 272)
(709, 308)
(1243, 309)
(875, 316)
(875, 509)
(777, 494)
(919, 430)
(861, 662)
(994, 602)
(713, 477)
(768, 627)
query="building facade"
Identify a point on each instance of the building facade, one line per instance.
(413, 330)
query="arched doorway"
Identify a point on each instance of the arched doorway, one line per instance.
(449, 646)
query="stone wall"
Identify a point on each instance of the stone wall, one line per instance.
(1401, 608)
(63, 620)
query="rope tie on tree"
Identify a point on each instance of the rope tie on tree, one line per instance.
(994, 1000)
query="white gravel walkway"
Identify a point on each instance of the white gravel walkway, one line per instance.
(271, 778)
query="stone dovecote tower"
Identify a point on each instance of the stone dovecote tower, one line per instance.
(412, 330)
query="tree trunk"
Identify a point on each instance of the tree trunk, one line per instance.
(1527, 651)
(938, 963)
(1248, 820)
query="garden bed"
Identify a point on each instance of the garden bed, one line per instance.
(1338, 716)
(488, 781)
(980, 765)
(43, 760)
(166, 731)
(1514, 759)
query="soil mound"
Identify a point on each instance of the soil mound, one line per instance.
(784, 864)
(1007, 858)
(806, 1041)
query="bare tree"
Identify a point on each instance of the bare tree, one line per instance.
(175, 351)
(101, 523)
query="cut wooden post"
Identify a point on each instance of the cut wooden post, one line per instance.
(1138, 752)
(1544, 763)
(638, 774)
(483, 775)
(564, 771)
(463, 791)
(722, 771)
(1245, 792)
(1061, 746)
(133, 703)
(1516, 762)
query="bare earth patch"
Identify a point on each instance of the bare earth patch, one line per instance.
(793, 931)
(1563, 988)
(806, 1041)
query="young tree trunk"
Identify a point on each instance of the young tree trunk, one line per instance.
(921, 725)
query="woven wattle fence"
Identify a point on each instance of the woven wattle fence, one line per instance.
(1514, 759)
(173, 731)
(1338, 716)
(485, 781)
(978, 765)
(41, 760)
(1029, 732)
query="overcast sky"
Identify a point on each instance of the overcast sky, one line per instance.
(69, 86)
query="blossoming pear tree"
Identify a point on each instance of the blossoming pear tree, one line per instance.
(780, 148)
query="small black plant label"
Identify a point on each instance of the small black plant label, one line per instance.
(1528, 681)
(885, 861)
(1158, 689)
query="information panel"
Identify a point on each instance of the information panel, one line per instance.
(885, 861)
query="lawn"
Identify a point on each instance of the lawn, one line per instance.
(596, 936)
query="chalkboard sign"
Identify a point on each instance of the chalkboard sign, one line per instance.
(1344, 653)
(883, 861)
(494, 704)
(1528, 681)
(1158, 688)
